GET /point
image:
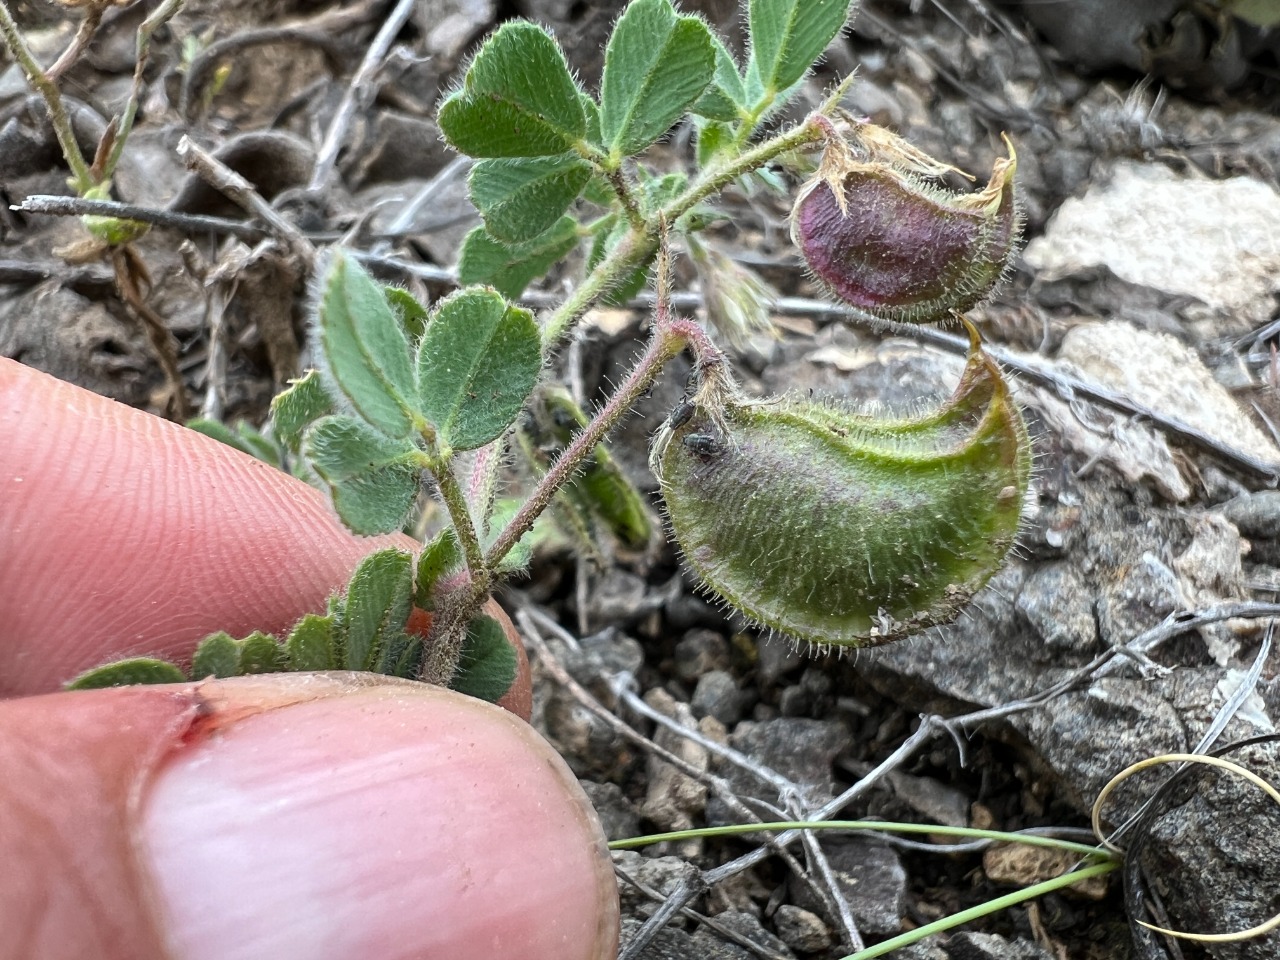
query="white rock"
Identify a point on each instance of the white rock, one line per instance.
(1215, 240)
(1160, 372)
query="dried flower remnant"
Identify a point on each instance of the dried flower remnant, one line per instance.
(889, 242)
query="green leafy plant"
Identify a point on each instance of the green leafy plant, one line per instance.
(830, 526)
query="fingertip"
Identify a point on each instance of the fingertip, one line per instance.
(395, 820)
(125, 534)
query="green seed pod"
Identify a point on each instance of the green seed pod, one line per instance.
(887, 241)
(839, 528)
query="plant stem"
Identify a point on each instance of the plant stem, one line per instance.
(667, 341)
(627, 255)
(48, 91)
(719, 177)
(456, 503)
(984, 909)
(149, 26)
(84, 33)
(874, 826)
(618, 180)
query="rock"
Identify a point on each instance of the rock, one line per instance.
(674, 944)
(745, 925)
(675, 799)
(1055, 602)
(871, 878)
(1214, 863)
(776, 657)
(932, 799)
(1255, 514)
(801, 930)
(699, 651)
(717, 695)
(1217, 238)
(660, 874)
(617, 814)
(801, 750)
(1161, 373)
(1138, 598)
(989, 946)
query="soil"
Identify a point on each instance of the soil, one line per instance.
(1139, 321)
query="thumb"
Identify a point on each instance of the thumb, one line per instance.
(302, 816)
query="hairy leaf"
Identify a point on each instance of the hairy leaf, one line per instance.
(218, 655)
(439, 558)
(787, 36)
(656, 65)
(487, 666)
(476, 367)
(518, 98)
(522, 198)
(127, 673)
(365, 346)
(372, 478)
(303, 403)
(310, 644)
(379, 600)
(509, 269)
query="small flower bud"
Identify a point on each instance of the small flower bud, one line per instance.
(888, 242)
(736, 298)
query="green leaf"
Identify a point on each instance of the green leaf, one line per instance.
(400, 656)
(127, 673)
(656, 66)
(439, 558)
(657, 192)
(218, 655)
(244, 438)
(592, 111)
(298, 407)
(364, 343)
(520, 199)
(259, 444)
(509, 269)
(714, 138)
(310, 644)
(379, 600)
(726, 98)
(518, 98)
(487, 666)
(372, 478)
(787, 36)
(260, 653)
(411, 314)
(476, 367)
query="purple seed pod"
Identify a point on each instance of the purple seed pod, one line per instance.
(888, 242)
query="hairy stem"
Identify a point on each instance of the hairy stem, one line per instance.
(455, 502)
(48, 90)
(667, 341)
(720, 176)
(626, 256)
(618, 180)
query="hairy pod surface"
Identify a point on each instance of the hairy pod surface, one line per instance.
(842, 529)
(887, 241)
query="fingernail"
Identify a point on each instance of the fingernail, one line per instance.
(382, 823)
